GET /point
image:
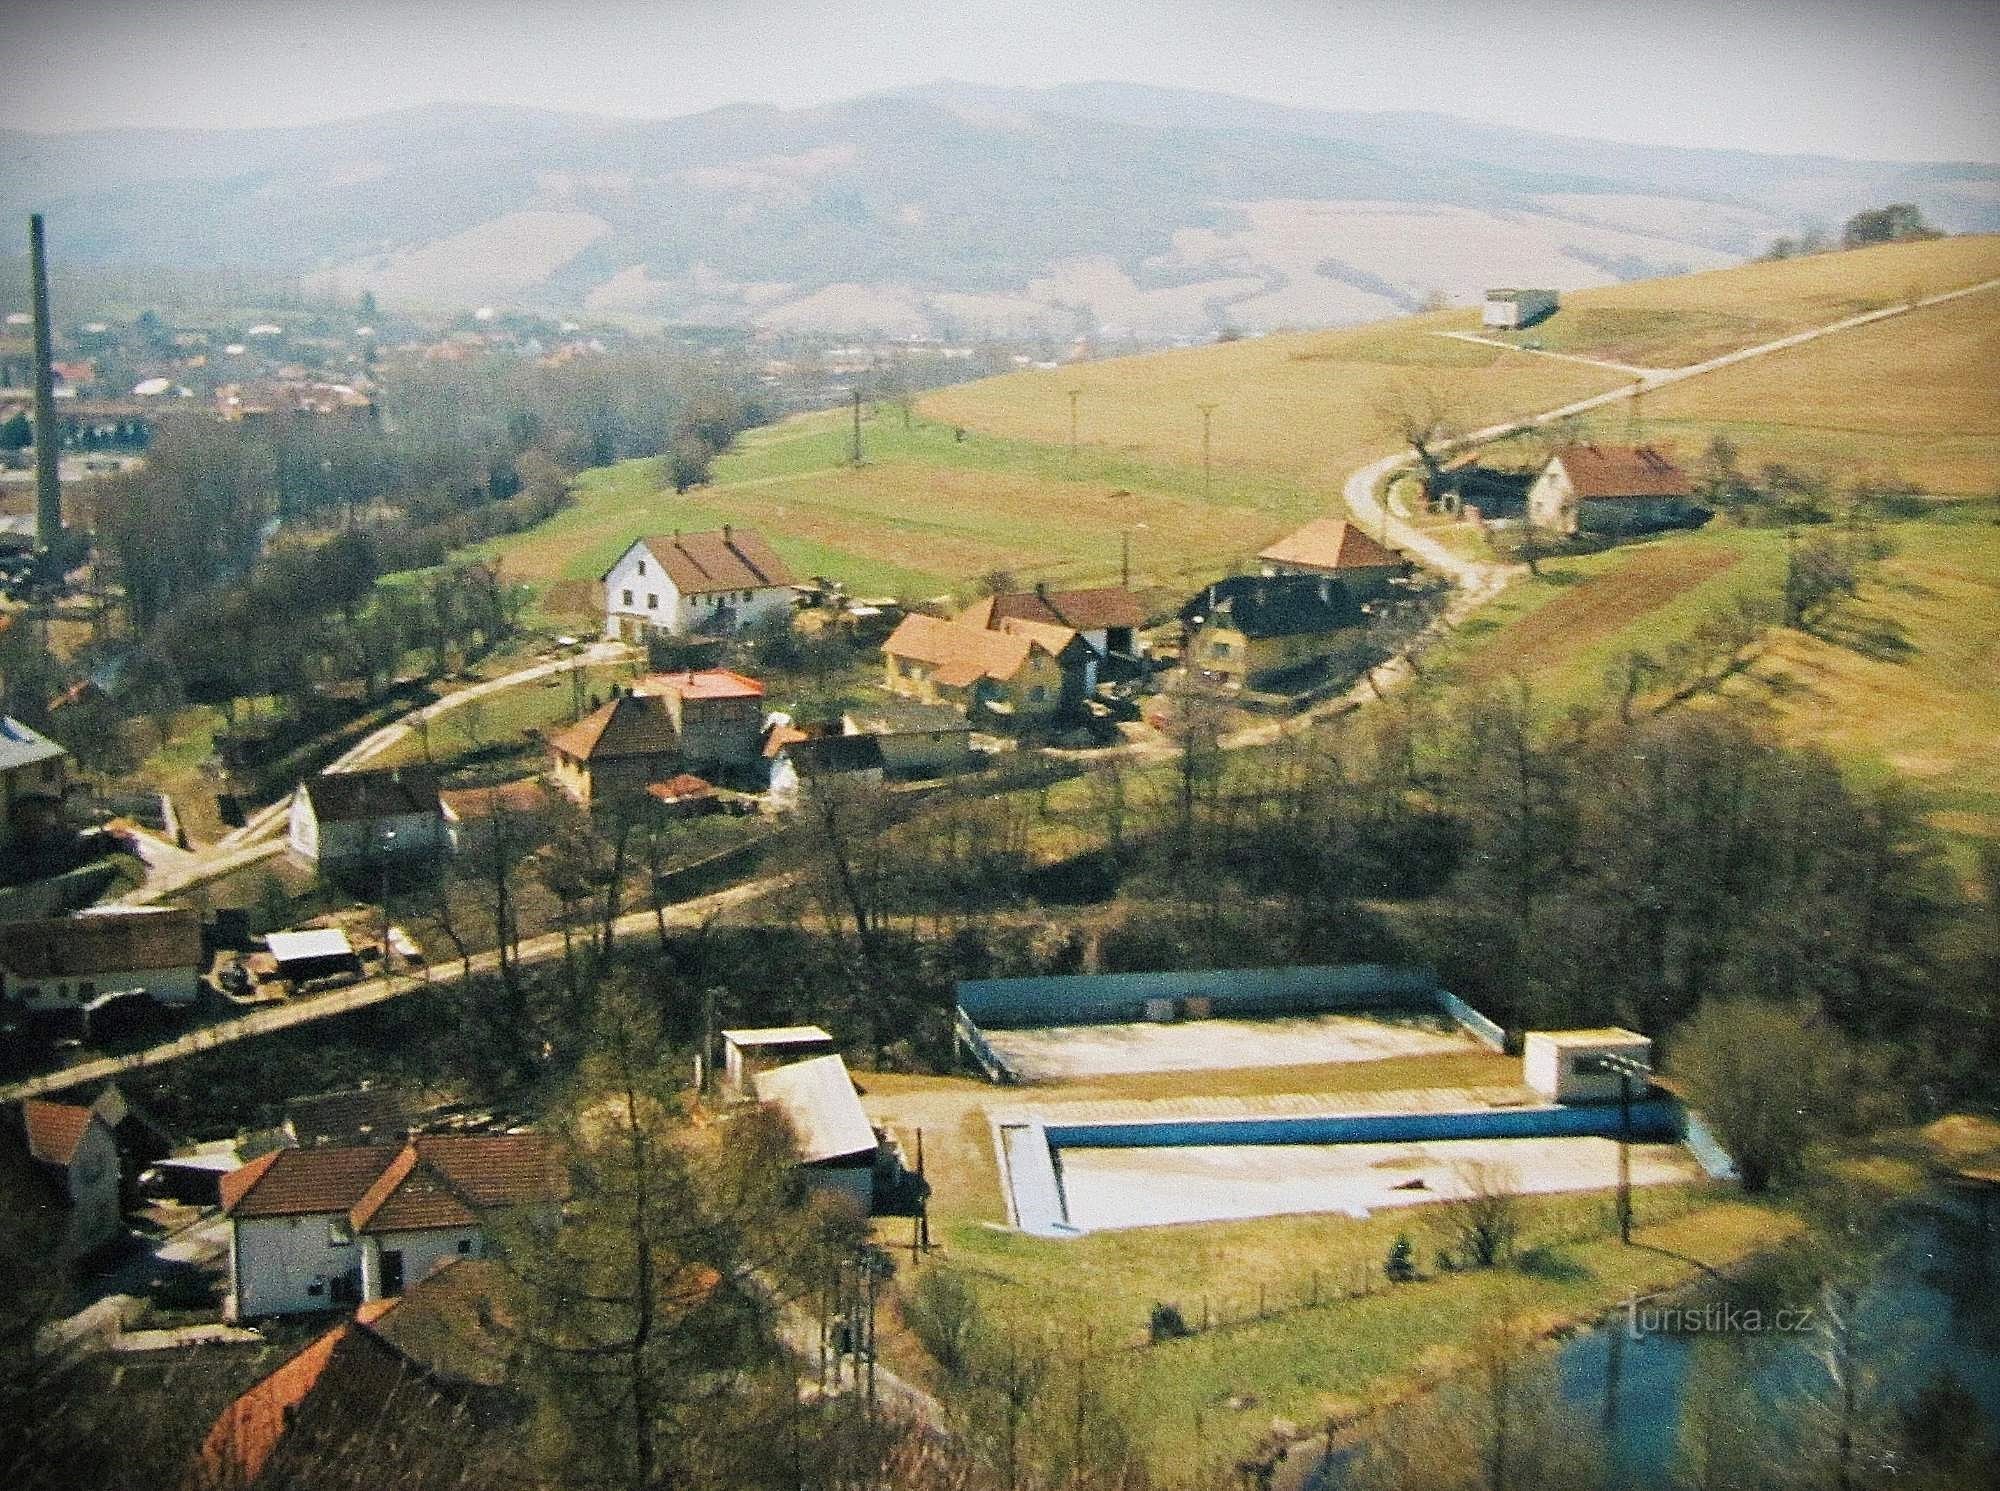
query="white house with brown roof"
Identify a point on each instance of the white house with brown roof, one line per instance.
(341, 820)
(76, 1154)
(63, 963)
(700, 583)
(1334, 546)
(316, 1229)
(1610, 489)
(1106, 617)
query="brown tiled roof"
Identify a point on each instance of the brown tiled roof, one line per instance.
(393, 792)
(303, 1182)
(1105, 607)
(1599, 472)
(1330, 544)
(964, 654)
(730, 559)
(630, 725)
(106, 942)
(677, 787)
(524, 796)
(445, 1181)
(703, 683)
(54, 1129)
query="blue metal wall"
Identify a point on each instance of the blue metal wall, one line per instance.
(1111, 998)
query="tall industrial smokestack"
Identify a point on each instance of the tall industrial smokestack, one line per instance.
(48, 484)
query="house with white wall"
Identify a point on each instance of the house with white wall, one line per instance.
(353, 819)
(838, 1147)
(1568, 1066)
(1611, 489)
(318, 1229)
(76, 1156)
(708, 584)
(65, 962)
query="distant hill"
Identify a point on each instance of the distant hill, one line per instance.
(1094, 209)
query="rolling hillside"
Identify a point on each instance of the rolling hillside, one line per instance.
(1097, 209)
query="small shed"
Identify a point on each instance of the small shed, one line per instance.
(1567, 1066)
(837, 1144)
(745, 1053)
(320, 953)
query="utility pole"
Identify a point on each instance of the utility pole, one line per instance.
(1207, 475)
(1628, 1071)
(1074, 394)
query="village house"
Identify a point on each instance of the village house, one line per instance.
(1611, 489)
(798, 759)
(838, 1148)
(354, 819)
(1107, 618)
(1335, 547)
(1029, 670)
(33, 779)
(75, 1158)
(415, 1381)
(1259, 631)
(718, 714)
(64, 963)
(695, 583)
(315, 1229)
(617, 750)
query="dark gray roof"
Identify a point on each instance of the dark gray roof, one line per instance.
(343, 797)
(1276, 605)
(836, 753)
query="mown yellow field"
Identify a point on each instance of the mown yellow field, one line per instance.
(1692, 317)
(1297, 405)
(1914, 397)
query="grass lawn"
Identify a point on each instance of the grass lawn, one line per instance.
(1690, 318)
(1297, 406)
(926, 512)
(503, 718)
(1560, 631)
(1913, 398)
(1904, 685)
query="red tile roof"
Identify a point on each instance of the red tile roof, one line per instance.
(54, 1129)
(675, 789)
(1330, 544)
(703, 683)
(731, 559)
(1103, 608)
(446, 1181)
(1600, 472)
(302, 1182)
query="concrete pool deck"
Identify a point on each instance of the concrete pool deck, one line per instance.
(1073, 1167)
(1065, 1053)
(1108, 1189)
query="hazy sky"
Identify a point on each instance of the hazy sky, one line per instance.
(1875, 78)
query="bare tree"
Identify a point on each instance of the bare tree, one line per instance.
(1481, 1222)
(1426, 416)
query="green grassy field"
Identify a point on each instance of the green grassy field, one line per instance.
(1689, 318)
(1912, 398)
(925, 513)
(1299, 406)
(502, 718)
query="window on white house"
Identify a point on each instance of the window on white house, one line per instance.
(642, 566)
(652, 602)
(628, 597)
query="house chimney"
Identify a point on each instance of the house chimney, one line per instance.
(48, 481)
